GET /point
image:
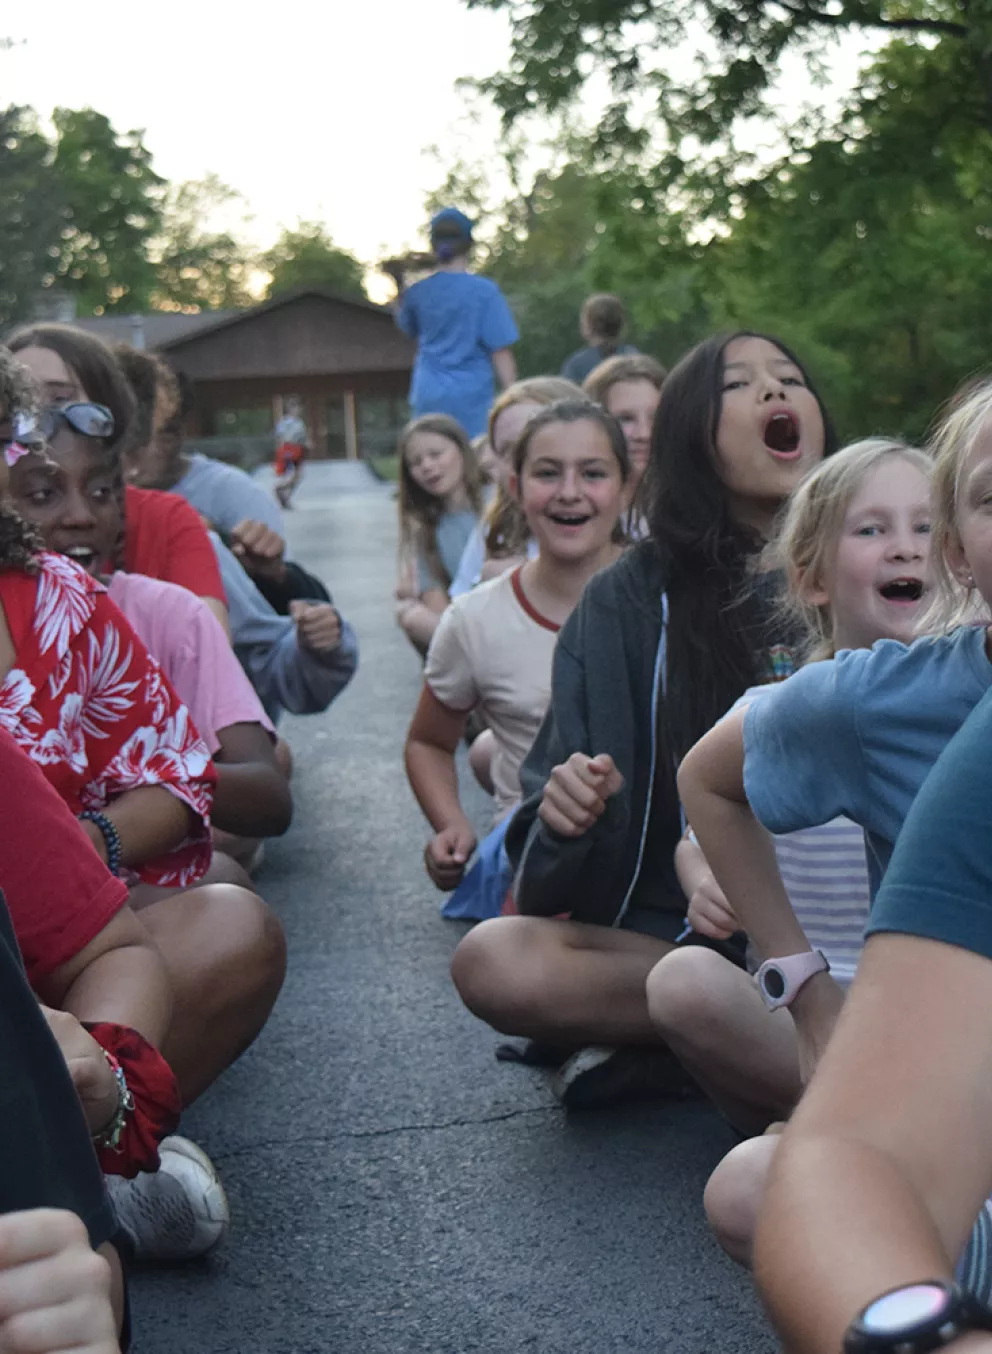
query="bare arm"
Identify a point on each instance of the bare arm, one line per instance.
(220, 612)
(119, 977)
(252, 797)
(430, 766)
(741, 855)
(505, 366)
(886, 1162)
(151, 822)
(430, 760)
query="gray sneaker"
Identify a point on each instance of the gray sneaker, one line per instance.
(179, 1211)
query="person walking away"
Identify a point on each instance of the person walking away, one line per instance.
(463, 328)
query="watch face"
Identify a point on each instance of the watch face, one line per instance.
(773, 981)
(904, 1309)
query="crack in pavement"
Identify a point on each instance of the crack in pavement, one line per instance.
(392, 1131)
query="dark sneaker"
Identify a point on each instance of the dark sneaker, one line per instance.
(599, 1076)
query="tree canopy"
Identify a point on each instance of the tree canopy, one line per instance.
(306, 256)
(865, 241)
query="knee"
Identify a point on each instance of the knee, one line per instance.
(733, 1196)
(250, 934)
(493, 971)
(224, 869)
(686, 994)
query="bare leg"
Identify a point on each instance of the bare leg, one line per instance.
(734, 1193)
(558, 982)
(223, 870)
(480, 756)
(284, 758)
(711, 1016)
(241, 851)
(418, 622)
(226, 956)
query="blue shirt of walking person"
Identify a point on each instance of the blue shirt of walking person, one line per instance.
(459, 321)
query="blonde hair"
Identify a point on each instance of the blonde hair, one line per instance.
(505, 527)
(632, 367)
(808, 534)
(420, 511)
(952, 443)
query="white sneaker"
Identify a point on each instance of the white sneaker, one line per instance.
(179, 1211)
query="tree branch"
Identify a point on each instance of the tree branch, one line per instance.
(815, 16)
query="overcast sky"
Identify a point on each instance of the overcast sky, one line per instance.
(313, 111)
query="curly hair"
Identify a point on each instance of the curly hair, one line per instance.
(20, 544)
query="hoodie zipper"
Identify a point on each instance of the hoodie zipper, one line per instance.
(658, 687)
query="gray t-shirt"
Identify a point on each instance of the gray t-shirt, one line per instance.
(226, 495)
(453, 532)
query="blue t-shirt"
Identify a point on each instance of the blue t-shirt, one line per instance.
(459, 320)
(858, 735)
(939, 884)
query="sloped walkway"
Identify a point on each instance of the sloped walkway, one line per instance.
(395, 1190)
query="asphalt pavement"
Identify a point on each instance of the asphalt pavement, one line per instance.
(394, 1189)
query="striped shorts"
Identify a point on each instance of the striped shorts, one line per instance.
(974, 1269)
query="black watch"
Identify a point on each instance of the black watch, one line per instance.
(916, 1318)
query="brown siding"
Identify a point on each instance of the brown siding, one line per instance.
(308, 336)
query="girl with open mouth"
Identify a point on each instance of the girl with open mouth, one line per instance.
(659, 648)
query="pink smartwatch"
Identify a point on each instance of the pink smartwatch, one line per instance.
(779, 980)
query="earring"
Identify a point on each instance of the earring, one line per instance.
(969, 581)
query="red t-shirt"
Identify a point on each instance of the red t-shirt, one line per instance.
(59, 892)
(91, 707)
(165, 538)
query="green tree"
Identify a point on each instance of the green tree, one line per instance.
(112, 208)
(872, 250)
(733, 47)
(197, 267)
(30, 214)
(306, 256)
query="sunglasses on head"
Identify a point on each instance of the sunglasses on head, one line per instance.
(90, 420)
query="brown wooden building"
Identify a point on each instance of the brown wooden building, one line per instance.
(346, 361)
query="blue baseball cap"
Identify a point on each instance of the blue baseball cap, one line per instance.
(451, 216)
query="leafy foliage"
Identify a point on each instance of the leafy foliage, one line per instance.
(306, 256)
(197, 267)
(112, 209)
(30, 213)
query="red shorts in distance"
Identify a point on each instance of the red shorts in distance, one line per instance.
(287, 455)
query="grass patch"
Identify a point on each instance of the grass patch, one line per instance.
(386, 467)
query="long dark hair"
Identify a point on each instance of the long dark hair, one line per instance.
(716, 619)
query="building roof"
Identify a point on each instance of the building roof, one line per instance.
(156, 329)
(163, 329)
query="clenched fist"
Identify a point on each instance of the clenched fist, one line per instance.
(446, 855)
(577, 791)
(318, 625)
(260, 550)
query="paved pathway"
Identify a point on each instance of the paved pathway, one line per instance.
(394, 1189)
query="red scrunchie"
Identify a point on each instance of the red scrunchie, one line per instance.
(157, 1104)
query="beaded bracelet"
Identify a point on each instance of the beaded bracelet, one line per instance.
(111, 837)
(112, 1134)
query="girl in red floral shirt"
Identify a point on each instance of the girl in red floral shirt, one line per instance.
(83, 698)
